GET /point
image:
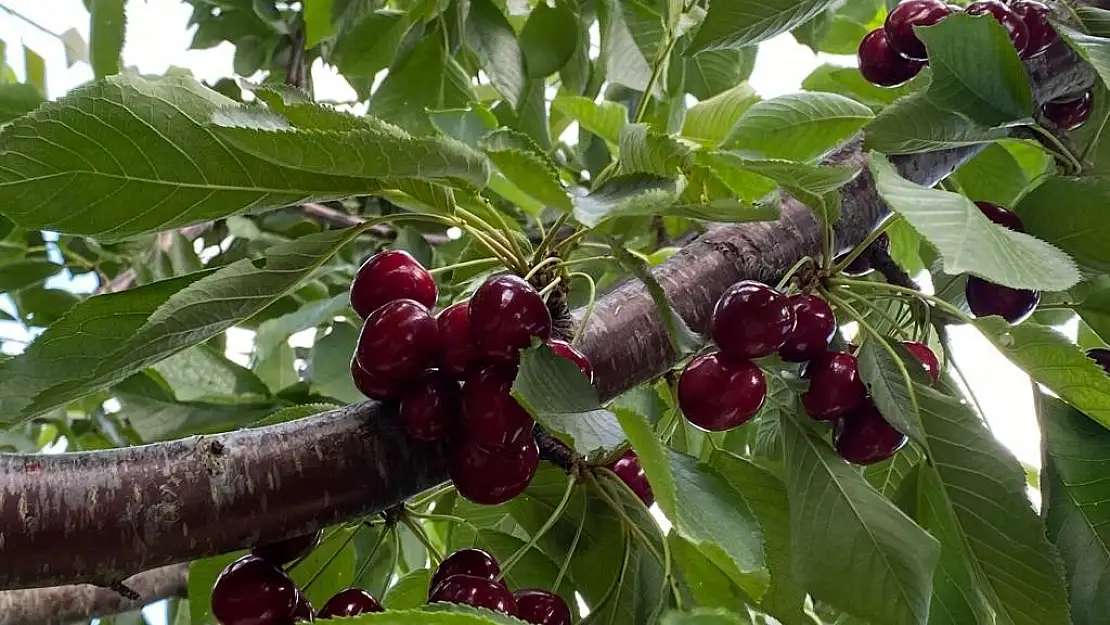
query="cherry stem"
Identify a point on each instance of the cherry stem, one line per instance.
(618, 583)
(928, 299)
(619, 509)
(570, 552)
(502, 235)
(545, 291)
(1094, 139)
(373, 553)
(861, 249)
(589, 305)
(802, 262)
(550, 260)
(895, 326)
(418, 531)
(657, 67)
(557, 514)
(463, 265)
(331, 558)
(589, 259)
(1053, 142)
(430, 495)
(549, 237)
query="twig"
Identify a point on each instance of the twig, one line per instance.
(335, 217)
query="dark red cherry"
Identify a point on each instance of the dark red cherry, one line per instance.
(566, 350)
(834, 386)
(628, 468)
(813, 332)
(900, 22)
(490, 416)
(987, 298)
(718, 393)
(350, 602)
(926, 357)
(1041, 33)
(388, 276)
(1069, 114)
(751, 320)
(476, 591)
(399, 341)
(304, 612)
(1012, 22)
(864, 437)
(492, 478)
(505, 313)
(1100, 355)
(251, 591)
(430, 406)
(1001, 216)
(456, 347)
(541, 607)
(471, 561)
(881, 64)
(375, 386)
(285, 551)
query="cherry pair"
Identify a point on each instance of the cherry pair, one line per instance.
(473, 577)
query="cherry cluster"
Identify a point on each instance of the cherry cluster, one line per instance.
(473, 577)
(986, 298)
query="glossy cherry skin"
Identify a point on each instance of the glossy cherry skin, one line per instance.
(568, 351)
(350, 602)
(541, 607)
(1041, 33)
(492, 478)
(813, 331)
(285, 551)
(900, 22)
(477, 562)
(926, 357)
(304, 612)
(1001, 216)
(1100, 355)
(476, 591)
(751, 320)
(986, 298)
(251, 591)
(835, 388)
(430, 406)
(881, 64)
(718, 393)
(375, 386)
(505, 313)
(1069, 114)
(399, 341)
(490, 416)
(388, 276)
(628, 468)
(864, 437)
(456, 348)
(1011, 21)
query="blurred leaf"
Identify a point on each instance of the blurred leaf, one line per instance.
(494, 42)
(994, 175)
(548, 39)
(797, 127)
(741, 23)
(156, 416)
(847, 81)
(365, 47)
(424, 79)
(274, 332)
(705, 617)
(331, 564)
(278, 369)
(34, 67)
(331, 364)
(410, 591)
(107, 24)
(202, 576)
(604, 119)
(201, 374)
(292, 413)
(317, 22)
(16, 99)
(1081, 230)
(21, 274)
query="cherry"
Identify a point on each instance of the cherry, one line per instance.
(252, 591)
(718, 393)
(881, 64)
(492, 478)
(303, 612)
(429, 406)
(568, 351)
(456, 348)
(751, 320)
(861, 265)
(1069, 114)
(1011, 21)
(987, 298)
(476, 591)
(927, 358)
(374, 386)
(283, 552)
(398, 341)
(490, 416)
(1100, 355)
(1001, 216)
(864, 437)
(813, 332)
(470, 561)
(834, 386)
(505, 313)
(541, 607)
(900, 22)
(350, 602)
(628, 468)
(1041, 33)
(388, 276)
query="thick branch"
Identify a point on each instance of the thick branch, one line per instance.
(102, 516)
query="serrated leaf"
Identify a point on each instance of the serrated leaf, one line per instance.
(797, 127)
(200, 373)
(524, 164)
(995, 176)
(107, 23)
(17, 99)
(847, 81)
(969, 242)
(916, 124)
(976, 70)
(740, 23)
(893, 396)
(644, 151)
(711, 72)
(494, 42)
(710, 121)
(629, 194)
(605, 119)
(1081, 230)
(548, 39)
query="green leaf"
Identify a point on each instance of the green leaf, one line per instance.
(202, 577)
(20, 274)
(427, 78)
(995, 176)
(605, 119)
(847, 81)
(969, 242)
(851, 546)
(1075, 492)
(630, 194)
(705, 617)
(200, 373)
(1094, 50)
(916, 124)
(623, 41)
(1049, 358)
(1081, 230)
(711, 72)
(741, 23)
(976, 70)
(411, 591)
(493, 40)
(548, 39)
(106, 338)
(330, 564)
(524, 164)
(331, 364)
(794, 177)
(560, 398)
(293, 413)
(155, 415)
(797, 127)
(367, 46)
(644, 151)
(893, 396)
(273, 332)
(34, 67)
(17, 99)
(710, 121)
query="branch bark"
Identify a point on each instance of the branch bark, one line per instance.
(102, 516)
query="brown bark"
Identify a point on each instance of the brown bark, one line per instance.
(102, 516)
